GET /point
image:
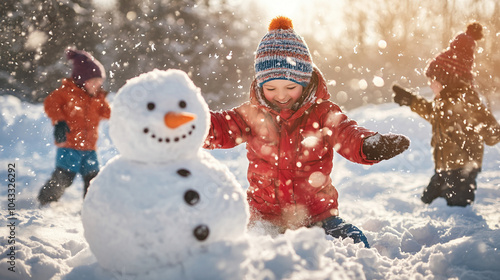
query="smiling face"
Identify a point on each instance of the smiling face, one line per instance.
(159, 116)
(92, 86)
(282, 93)
(436, 87)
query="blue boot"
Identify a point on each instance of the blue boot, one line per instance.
(337, 227)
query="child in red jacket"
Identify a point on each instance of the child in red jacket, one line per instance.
(291, 130)
(76, 108)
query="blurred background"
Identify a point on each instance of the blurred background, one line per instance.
(362, 47)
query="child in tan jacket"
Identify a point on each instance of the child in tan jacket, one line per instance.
(461, 124)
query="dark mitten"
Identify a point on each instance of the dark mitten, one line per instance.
(381, 147)
(402, 96)
(60, 130)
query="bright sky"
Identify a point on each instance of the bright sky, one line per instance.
(318, 17)
(307, 16)
(289, 8)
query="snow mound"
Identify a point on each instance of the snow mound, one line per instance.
(408, 238)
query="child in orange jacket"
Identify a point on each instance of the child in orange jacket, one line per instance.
(76, 108)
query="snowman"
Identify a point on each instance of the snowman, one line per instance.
(163, 202)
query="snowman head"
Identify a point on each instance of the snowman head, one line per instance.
(159, 116)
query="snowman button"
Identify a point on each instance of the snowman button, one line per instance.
(191, 197)
(183, 172)
(201, 232)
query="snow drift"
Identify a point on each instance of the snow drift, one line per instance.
(408, 239)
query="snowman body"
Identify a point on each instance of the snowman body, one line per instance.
(163, 201)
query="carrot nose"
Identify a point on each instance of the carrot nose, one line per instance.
(174, 120)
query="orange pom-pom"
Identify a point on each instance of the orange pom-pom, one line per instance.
(475, 30)
(280, 23)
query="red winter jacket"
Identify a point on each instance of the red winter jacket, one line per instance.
(81, 112)
(290, 154)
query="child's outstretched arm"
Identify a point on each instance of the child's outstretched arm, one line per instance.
(476, 118)
(104, 108)
(492, 132)
(402, 96)
(54, 105)
(227, 129)
(417, 103)
(359, 144)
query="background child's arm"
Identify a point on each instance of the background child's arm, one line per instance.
(417, 103)
(422, 107)
(491, 133)
(54, 106)
(104, 110)
(481, 119)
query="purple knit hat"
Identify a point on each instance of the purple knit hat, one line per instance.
(85, 66)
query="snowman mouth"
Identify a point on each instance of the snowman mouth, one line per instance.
(174, 139)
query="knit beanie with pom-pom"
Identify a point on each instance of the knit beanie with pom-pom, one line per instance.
(85, 66)
(454, 65)
(283, 54)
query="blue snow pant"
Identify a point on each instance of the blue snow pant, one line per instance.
(83, 162)
(69, 162)
(337, 227)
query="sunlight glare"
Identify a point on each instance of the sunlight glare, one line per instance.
(288, 8)
(307, 16)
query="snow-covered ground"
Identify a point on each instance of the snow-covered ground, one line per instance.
(409, 240)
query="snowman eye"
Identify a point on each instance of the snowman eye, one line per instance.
(151, 106)
(182, 104)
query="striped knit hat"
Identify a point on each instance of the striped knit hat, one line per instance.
(283, 55)
(455, 64)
